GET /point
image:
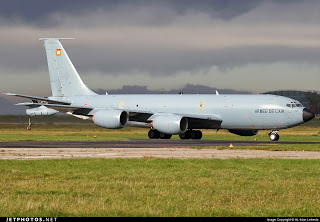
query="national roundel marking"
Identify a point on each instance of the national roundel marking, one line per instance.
(58, 52)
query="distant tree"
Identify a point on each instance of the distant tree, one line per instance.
(314, 101)
(313, 97)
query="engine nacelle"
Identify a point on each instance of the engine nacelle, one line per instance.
(41, 111)
(244, 132)
(170, 124)
(111, 119)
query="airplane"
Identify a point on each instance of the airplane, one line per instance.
(164, 114)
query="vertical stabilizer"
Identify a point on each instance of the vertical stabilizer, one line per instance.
(64, 78)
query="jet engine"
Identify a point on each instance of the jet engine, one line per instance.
(170, 124)
(41, 111)
(244, 132)
(111, 119)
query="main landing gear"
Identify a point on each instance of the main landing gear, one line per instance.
(155, 134)
(274, 136)
(189, 134)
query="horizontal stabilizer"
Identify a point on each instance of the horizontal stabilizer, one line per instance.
(42, 39)
(54, 106)
(39, 98)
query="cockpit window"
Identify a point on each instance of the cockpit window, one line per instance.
(294, 104)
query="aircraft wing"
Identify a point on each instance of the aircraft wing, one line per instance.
(195, 121)
(39, 99)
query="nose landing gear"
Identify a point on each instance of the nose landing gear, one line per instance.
(274, 136)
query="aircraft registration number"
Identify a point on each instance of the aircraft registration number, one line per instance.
(269, 111)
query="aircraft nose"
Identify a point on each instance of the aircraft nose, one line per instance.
(307, 115)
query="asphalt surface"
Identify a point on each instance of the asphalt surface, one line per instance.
(183, 149)
(155, 143)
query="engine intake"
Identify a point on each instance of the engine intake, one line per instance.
(111, 119)
(170, 124)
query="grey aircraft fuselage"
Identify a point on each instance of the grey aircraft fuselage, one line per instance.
(260, 112)
(165, 114)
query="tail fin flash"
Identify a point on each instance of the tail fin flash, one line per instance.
(64, 78)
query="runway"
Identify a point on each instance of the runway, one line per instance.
(143, 143)
(30, 150)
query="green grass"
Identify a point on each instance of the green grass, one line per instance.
(90, 132)
(160, 187)
(67, 128)
(66, 132)
(269, 147)
(156, 187)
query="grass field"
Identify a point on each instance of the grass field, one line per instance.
(160, 187)
(72, 129)
(157, 187)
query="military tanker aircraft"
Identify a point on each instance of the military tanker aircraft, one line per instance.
(164, 114)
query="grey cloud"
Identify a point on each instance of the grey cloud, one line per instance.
(26, 57)
(156, 61)
(44, 13)
(39, 11)
(170, 62)
(8, 108)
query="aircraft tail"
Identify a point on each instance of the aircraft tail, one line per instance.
(64, 78)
